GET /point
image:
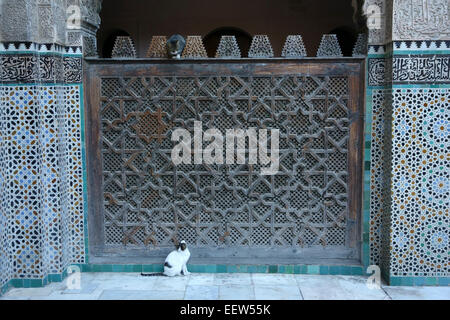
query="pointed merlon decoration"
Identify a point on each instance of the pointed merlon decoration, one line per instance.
(360, 48)
(260, 47)
(228, 48)
(194, 48)
(123, 48)
(294, 47)
(157, 48)
(329, 46)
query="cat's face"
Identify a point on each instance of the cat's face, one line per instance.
(182, 246)
(175, 45)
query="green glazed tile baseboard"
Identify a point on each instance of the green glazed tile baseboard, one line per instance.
(33, 283)
(199, 268)
(419, 281)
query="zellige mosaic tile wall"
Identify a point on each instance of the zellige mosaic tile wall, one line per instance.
(420, 182)
(409, 171)
(41, 172)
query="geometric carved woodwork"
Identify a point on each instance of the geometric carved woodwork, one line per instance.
(329, 46)
(194, 48)
(260, 47)
(123, 48)
(294, 47)
(148, 203)
(148, 200)
(157, 48)
(360, 48)
(228, 48)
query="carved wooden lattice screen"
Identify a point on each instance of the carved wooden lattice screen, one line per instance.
(140, 203)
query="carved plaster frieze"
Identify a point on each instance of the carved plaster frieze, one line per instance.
(377, 15)
(421, 20)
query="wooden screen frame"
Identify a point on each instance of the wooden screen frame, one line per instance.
(94, 69)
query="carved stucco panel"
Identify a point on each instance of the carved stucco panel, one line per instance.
(421, 20)
(408, 20)
(378, 16)
(89, 10)
(90, 22)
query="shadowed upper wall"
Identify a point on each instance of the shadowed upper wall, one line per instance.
(144, 19)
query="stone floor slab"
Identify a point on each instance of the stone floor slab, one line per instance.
(141, 295)
(58, 295)
(236, 292)
(418, 293)
(145, 284)
(271, 279)
(235, 286)
(201, 279)
(85, 288)
(275, 292)
(178, 283)
(243, 279)
(28, 292)
(323, 287)
(194, 292)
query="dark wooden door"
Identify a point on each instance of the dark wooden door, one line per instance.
(140, 203)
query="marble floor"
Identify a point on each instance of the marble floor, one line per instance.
(201, 286)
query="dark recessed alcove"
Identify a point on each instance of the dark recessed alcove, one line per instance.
(210, 19)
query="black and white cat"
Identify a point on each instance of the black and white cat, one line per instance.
(176, 262)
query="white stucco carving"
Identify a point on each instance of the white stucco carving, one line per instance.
(421, 20)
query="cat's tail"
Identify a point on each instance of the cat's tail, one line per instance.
(158, 274)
